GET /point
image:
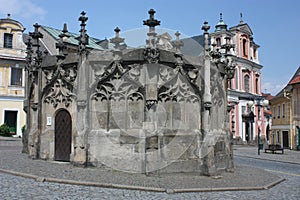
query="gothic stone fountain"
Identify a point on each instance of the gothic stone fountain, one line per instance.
(137, 110)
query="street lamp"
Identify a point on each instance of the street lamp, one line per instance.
(259, 102)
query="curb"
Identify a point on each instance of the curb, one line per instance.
(289, 162)
(147, 189)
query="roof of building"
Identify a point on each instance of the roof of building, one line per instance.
(12, 21)
(268, 96)
(296, 78)
(93, 42)
(193, 46)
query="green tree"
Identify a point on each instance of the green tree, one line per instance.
(4, 130)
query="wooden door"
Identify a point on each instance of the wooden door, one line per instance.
(63, 135)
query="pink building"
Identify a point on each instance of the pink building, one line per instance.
(244, 95)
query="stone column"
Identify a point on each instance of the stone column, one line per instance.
(82, 124)
(208, 160)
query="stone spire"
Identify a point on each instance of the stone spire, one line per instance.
(151, 22)
(29, 52)
(62, 47)
(65, 34)
(205, 28)
(83, 38)
(178, 43)
(117, 40)
(36, 35)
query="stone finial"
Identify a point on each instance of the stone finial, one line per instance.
(36, 34)
(64, 35)
(8, 16)
(177, 43)
(117, 40)
(151, 22)
(83, 18)
(61, 45)
(117, 31)
(65, 29)
(205, 27)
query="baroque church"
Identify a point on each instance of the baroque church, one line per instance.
(155, 108)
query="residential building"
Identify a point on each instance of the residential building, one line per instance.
(247, 122)
(12, 79)
(285, 107)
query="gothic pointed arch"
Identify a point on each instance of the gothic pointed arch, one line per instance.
(60, 84)
(116, 90)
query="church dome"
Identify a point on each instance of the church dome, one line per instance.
(221, 25)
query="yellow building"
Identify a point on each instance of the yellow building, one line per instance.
(12, 78)
(286, 115)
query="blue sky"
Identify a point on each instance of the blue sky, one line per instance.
(275, 24)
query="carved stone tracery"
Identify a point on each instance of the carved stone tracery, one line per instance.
(151, 55)
(61, 84)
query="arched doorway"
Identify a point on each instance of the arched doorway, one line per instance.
(63, 135)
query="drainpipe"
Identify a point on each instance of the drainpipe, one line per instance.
(298, 138)
(207, 95)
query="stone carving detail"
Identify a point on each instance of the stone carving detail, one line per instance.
(115, 70)
(166, 73)
(120, 92)
(62, 81)
(60, 93)
(134, 72)
(116, 86)
(151, 55)
(178, 92)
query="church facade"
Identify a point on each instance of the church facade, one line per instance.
(140, 110)
(247, 122)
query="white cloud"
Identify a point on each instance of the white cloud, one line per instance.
(22, 8)
(272, 88)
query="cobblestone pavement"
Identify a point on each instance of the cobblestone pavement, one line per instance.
(289, 156)
(15, 187)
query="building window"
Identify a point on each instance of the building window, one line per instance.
(243, 109)
(229, 84)
(248, 109)
(236, 79)
(246, 83)
(283, 110)
(254, 53)
(218, 41)
(274, 112)
(244, 47)
(256, 86)
(16, 76)
(278, 112)
(8, 40)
